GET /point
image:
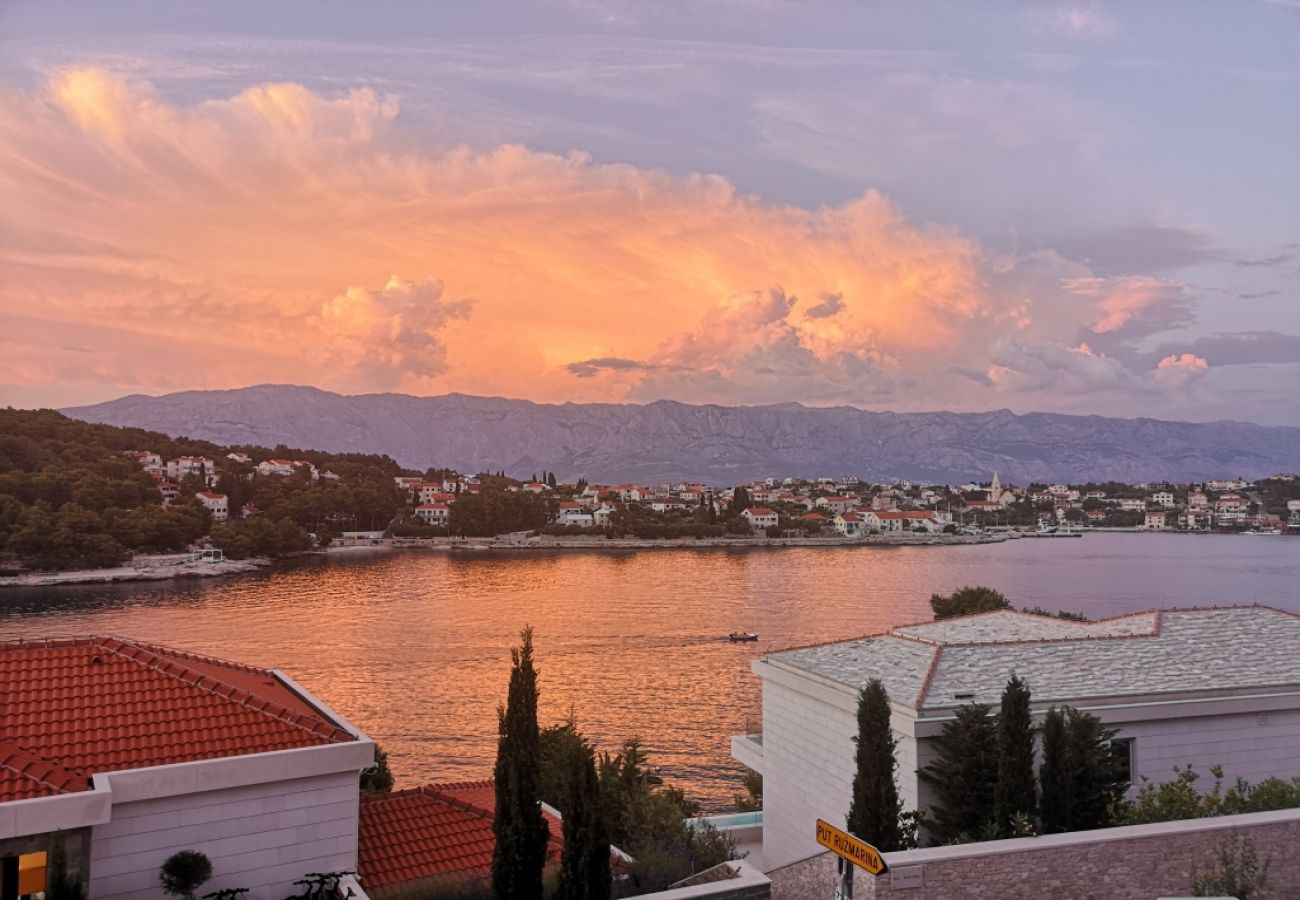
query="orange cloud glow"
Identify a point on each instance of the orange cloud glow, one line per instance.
(280, 235)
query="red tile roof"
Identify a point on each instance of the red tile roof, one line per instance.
(101, 704)
(440, 831)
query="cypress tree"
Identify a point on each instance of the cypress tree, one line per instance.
(963, 774)
(1080, 778)
(876, 807)
(1095, 779)
(1053, 778)
(520, 830)
(584, 864)
(1015, 793)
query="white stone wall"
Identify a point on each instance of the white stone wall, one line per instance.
(261, 837)
(808, 754)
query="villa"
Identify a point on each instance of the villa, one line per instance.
(1199, 687)
(127, 753)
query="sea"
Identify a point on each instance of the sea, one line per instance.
(413, 647)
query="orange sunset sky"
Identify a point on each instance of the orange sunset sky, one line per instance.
(164, 229)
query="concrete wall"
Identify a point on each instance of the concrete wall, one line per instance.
(261, 837)
(1138, 862)
(808, 754)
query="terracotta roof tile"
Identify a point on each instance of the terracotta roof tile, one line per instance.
(441, 831)
(102, 704)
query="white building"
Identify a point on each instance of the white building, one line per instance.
(191, 465)
(217, 504)
(1200, 686)
(433, 513)
(132, 752)
(238, 457)
(1154, 520)
(760, 517)
(1163, 499)
(275, 467)
(572, 513)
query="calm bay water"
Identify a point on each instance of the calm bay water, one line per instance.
(414, 647)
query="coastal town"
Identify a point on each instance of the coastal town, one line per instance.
(844, 507)
(76, 505)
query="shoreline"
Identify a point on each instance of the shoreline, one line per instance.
(194, 569)
(480, 545)
(118, 574)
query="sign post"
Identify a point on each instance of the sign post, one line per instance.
(851, 852)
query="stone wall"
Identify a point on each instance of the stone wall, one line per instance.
(1136, 862)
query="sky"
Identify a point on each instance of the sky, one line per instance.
(1080, 207)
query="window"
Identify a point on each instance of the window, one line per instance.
(1121, 750)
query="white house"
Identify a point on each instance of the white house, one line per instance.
(884, 521)
(132, 752)
(760, 517)
(1204, 687)
(191, 465)
(1163, 499)
(573, 513)
(275, 467)
(236, 456)
(217, 504)
(433, 513)
(849, 524)
(1154, 520)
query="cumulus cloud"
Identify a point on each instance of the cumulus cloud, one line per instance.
(229, 231)
(828, 304)
(388, 335)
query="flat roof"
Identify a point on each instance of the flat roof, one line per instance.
(1173, 651)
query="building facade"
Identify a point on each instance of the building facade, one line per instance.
(1199, 687)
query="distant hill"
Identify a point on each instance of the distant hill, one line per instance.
(721, 444)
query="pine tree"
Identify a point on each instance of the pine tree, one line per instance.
(1053, 780)
(1015, 793)
(876, 807)
(584, 864)
(520, 830)
(550, 479)
(740, 501)
(962, 775)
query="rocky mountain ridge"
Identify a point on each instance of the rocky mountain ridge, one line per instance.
(667, 440)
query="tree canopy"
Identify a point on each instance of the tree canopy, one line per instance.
(966, 601)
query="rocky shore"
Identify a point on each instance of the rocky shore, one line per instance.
(139, 572)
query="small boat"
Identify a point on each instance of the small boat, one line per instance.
(738, 637)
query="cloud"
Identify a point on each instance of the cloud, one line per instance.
(1134, 306)
(1244, 348)
(388, 335)
(828, 305)
(1087, 20)
(1266, 262)
(1181, 369)
(1124, 249)
(589, 368)
(224, 242)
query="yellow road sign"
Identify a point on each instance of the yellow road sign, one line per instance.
(860, 853)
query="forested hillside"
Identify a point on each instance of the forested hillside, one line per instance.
(71, 498)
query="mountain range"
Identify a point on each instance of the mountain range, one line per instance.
(667, 440)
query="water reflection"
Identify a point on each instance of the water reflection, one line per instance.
(413, 648)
